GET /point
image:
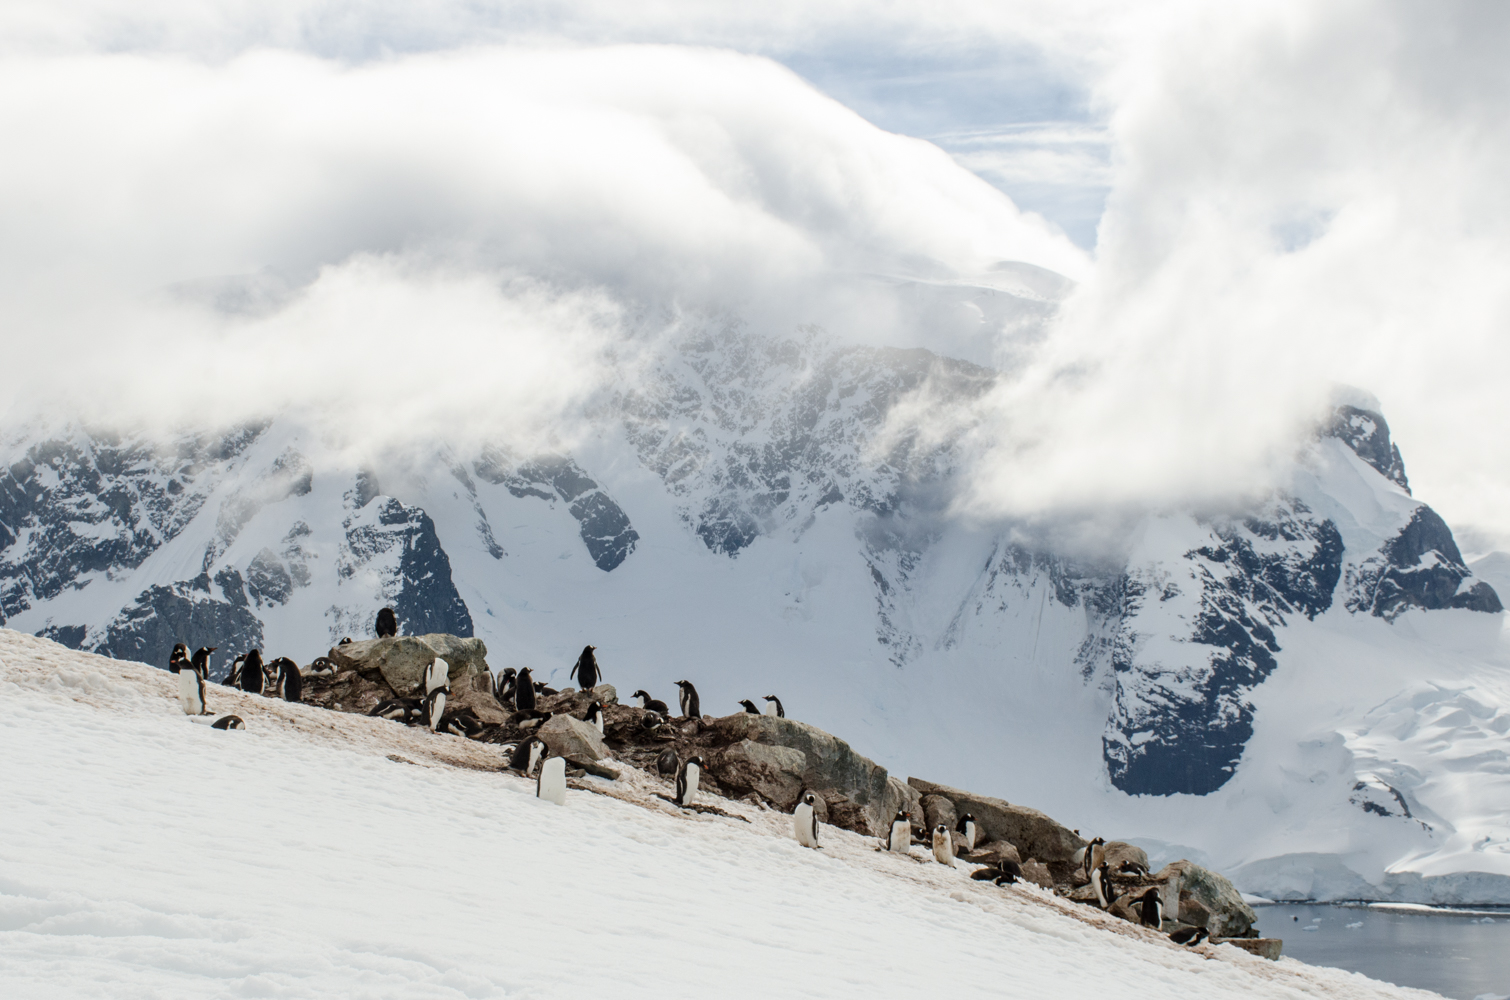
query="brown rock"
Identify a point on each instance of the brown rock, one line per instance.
(567, 737)
(1230, 916)
(1033, 832)
(1035, 871)
(936, 810)
(1194, 912)
(1118, 852)
(1262, 947)
(772, 772)
(996, 851)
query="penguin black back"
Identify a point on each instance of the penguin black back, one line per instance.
(1189, 936)
(586, 671)
(289, 683)
(667, 764)
(649, 704)
(387, 624)
(201, 661)
(691, 707)
(524, 691)
(233, 676)
(1151, 909)
(779, 712)
(252, 677)
(505, 689)
(750, 708)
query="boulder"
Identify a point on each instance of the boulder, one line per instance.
(401, 660)
(1262, 947)
(1117, 853)
(480, 700)
(1035, 871)
(1194, 912)
(589, 766)
(900, 797)
(772, 772)
(1033, 833)
(994, 852)
(1230, 916)
(466, 658)
(570, 737)
(820, 806)
(936, 810)
(855, 786)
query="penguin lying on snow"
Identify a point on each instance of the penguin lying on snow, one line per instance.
(805, 821)
(288, 682)
(667, 764)
(899, 838)
(691, 707)
(1190, 936)
(405, 710)
(220, 722)
(551, 784)
(1150, 908)
(525, 756)
(594, 716)
(943, 845)
(750, 707)
(649, 704)
(586, 671)
(966, 829)
(529, 719)
(1004, 872)
(387, 624)
(686, 781)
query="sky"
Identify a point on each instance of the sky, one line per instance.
(207, 209)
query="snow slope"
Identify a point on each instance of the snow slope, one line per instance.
(317, 854)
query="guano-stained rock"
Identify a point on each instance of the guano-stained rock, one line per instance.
(570, 737)
(774, 773)
(1230, 916)
(1034, 833)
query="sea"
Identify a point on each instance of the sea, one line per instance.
(1459, 953)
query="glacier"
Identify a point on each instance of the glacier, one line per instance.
(1307, 692)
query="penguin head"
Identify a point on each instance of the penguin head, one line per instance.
(966, 818)
(683, 684)
(810, 799)
(941, 829)
(901, 817)
(345, 642)
(749, 706)
(641, 694)
(178, 657)
(509, 672)
(770, 697)
(650, 720)
(694, 759)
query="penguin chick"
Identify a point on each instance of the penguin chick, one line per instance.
(650, 704)
(773, 706)
(943, 846)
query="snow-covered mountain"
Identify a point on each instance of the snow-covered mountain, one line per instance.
(1316, 677)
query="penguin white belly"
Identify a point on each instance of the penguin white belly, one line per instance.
(803, 825)
(438, 708)
(901, 837)
(770, 708)
(551, 785)
(599, 723)
(970, 836)
(943, 848)
(689, 785)
(188, 692)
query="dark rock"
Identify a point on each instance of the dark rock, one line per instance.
(1421, 568)
(1367, 433)
(602, 523)
(775, 773)
(186, 612)
(1032, 832)
(427, 600)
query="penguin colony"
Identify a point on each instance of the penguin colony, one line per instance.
(531, 756)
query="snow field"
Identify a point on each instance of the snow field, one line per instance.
(144, 856)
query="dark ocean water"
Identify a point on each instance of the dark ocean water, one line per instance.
(1459, 955)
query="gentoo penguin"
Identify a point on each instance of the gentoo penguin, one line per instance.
(233, 676)
(551, 784)
(1151, 909)
(650, 721)
(288, 682)
(435, 708)
(691, 708)
(526, 755)
(966, 829)
(543, 691)
(943, 845)
(387, 624)
(586, 671)
(750, 707)
(201, 661)
(686, 781)
(1100, 881)
(505, 690)
(594, 716)
(404, 710)
(524, 691)
(1190, 936)
(461, 722)
(179, 658)
(228, 722)
(345, 641)
(900, 836)
(252, 677)
(1004, 872)
(649, 704)
(190, 684)
(323, 665)
(1131, 869)
(773, 706)
(805, 821)
(667, 764)
(531, 718)
(437, 675)
(1093, 850)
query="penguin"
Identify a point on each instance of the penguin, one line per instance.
(586, 671)
(233, 676)
(1106, 895)
(686, 781)
(594, 716)
(900, 838)
(943, 845)
(1151, 909)
(322, 666)
(435, 708)
(750, 707)
(179, 658)
(1004, 872)
(404, 710)
(667, 764)
(526, 755)
(1090, 860)
(773, 706)
(437, 675)
(228, 722)
(387, 624)
(504, 692)
(529, 719)
(1190, 936)
(460, 722)
(542, 691)
(650, 704)
(691, 708)
(551, 783)
(201, 661)
(190, 683)
(345, 641)
(252, 677)
(966, 829)
(650, 721)
(1132, 869)
(289, 684)
(805, 821)
(524, 691)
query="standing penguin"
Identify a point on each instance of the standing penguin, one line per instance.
(437, 675)
(586, 671)
(691, 707)
(686, 781)
(1092, 859)
(504, 691)
(435, 707)
(526, 755)
(594, 716)
(233, 676)
(805, 821)
(201, 661)
(773, 706)
(387, 624)
(287, 682)
(524, 691)
(252, 677)
(650, 704)
(190, 684)
(551, 784)
(899, 838)
(1105, 894)
(966, 829)
(750, 708)
(1151, 909)
(943, 845)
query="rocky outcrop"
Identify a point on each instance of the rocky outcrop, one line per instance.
(772, 772)
(1118, 853)
(936, 810)
(571, 737)
(993, 853)
(1037, 872)
(1228, 916)
(401, 660)
(1033, 833)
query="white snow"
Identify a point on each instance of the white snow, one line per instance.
(317, 854)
